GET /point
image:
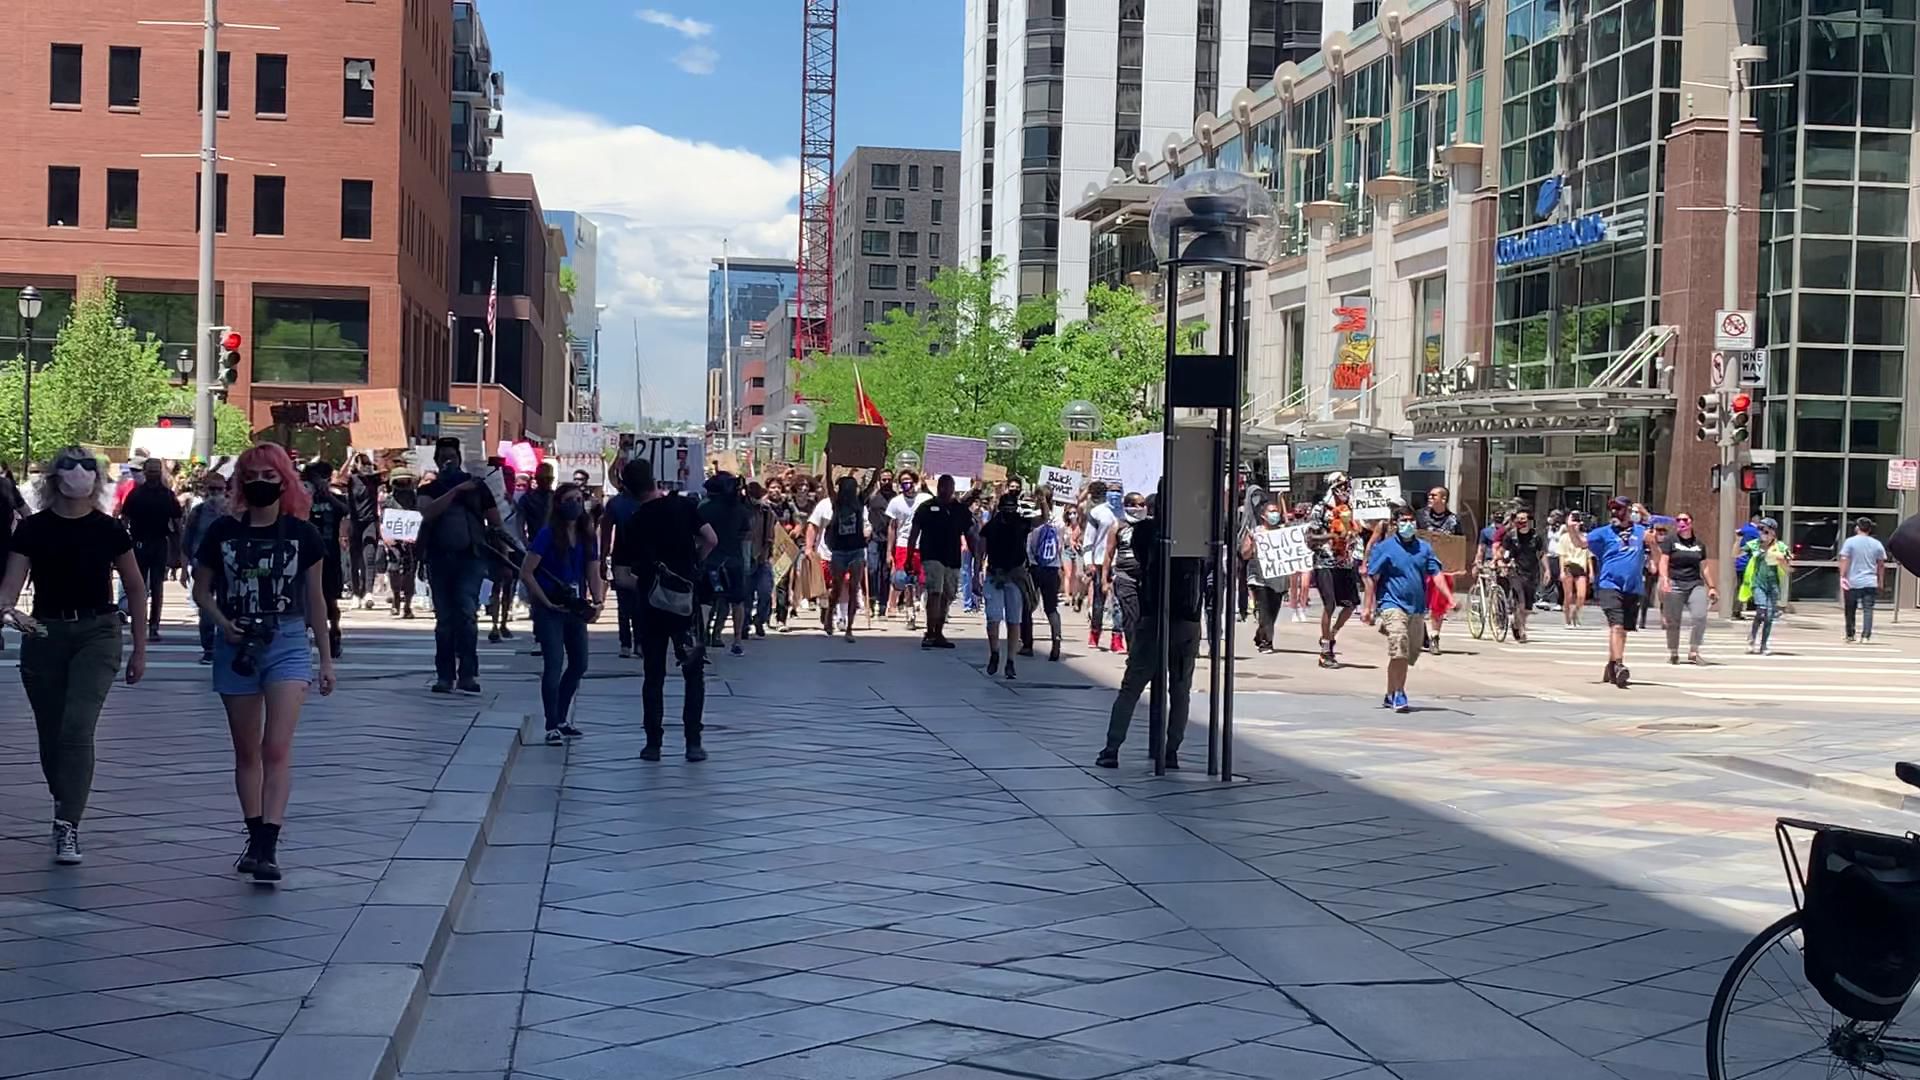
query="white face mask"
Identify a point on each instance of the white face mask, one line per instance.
(1136, 513)
(74, 483)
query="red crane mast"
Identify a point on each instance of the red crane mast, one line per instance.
(818, 59)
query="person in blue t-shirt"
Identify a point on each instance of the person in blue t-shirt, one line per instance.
(562, 576)
(1399, 568)
(1862, 558)
(1619, 550)
(1748, 533)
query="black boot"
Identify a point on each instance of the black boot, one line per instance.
(266, 853)
(250, 857)
(333, 642)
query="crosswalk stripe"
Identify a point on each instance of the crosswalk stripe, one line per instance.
(1793, 699)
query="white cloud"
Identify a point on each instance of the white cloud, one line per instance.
(685, 27)
(696, 60)
(663, 204)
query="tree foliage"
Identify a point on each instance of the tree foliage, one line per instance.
(963, 367)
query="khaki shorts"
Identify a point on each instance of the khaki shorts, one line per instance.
(1406, 634)
(942, 580)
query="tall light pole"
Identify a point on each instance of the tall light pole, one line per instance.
(479, 385)
(1732, 454)
(29, 311)
(726, 308)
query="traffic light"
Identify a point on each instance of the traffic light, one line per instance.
(1755, 477)
(227, 354)
(1738, 416)
(1706, 418)
(174, 421)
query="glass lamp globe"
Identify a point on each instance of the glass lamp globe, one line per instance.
(798, 419)
(1080, 417)
(765, 435)
(1004, 436)
(1225, 218)
(906, 459)
(30, 303)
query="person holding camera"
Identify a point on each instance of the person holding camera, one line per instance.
(562, 576)
(71, 643)
(255, 576)
(456, 511)
(656, 556)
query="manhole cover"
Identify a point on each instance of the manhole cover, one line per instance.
(1678, 725)
(852, 660)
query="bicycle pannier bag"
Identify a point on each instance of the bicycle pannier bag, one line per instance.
(1861, 922)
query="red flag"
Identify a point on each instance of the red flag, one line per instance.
(866, 411)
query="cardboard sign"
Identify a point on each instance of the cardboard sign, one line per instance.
(381, 424)
(401, 526)
(857, 446)
(678, 460)
(953, 455)
(1140, 462)
(1373, 497)
(1105, 465)
(785, 551)
(1079, 455)
(1282, 553)
(1279, 468)
(578, 447)
(1065, 484)
(321, 412)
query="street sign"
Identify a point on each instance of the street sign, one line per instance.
(1732, 330)
(1718, 373)
(1753, 368)
(1903, 474)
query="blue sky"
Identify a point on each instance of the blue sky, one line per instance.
(676, 122)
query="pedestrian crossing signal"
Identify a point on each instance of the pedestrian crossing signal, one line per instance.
(1706, 418)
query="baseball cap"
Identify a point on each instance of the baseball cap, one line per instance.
(1770, 523)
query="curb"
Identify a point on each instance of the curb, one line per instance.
(361, 1014)
(1806, 779)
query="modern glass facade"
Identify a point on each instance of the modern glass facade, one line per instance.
(758, 288)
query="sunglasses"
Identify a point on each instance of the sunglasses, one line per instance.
(88, 464)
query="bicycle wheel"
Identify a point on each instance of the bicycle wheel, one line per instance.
(1477, 612)
(1502, 615)
(1769, 1023)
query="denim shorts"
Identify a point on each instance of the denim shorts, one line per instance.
(844, 561)
(1005, 601)
(285, 659)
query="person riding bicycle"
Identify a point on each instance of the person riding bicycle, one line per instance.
(1518, 559)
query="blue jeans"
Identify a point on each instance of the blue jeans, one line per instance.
(456, 603)
(967, 601)
(761, 580)
(879, 574)
(563, 660)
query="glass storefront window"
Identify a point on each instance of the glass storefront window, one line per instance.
(1867, 484)
(1883, 157)
(1879, 320)
(1823, 318)
(1873, 427)
(1816, 480)
(1826, 209)
(1880, 267)
(1883, 212)
(1876, 374)
(1829, 155)
(1818, 428)
(1826, 264)
(1820, 371)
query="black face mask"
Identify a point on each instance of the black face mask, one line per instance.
(261, 493)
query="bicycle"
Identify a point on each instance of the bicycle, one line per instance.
(1784, 1028)
(1488, 605)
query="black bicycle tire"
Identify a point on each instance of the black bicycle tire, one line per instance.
(1723, 996)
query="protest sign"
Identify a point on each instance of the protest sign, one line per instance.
(954, 455)
(857, 446)
(1282, 553)
(678, 460)
(402, 526)
(1078, 454)
(1140, 461)
(1105, 465)
(578, 447)
(1373, 497)
(1279, 468)
(993, 474)
(1065, 484)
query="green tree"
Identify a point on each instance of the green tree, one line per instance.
(231, 432)
(569, 281)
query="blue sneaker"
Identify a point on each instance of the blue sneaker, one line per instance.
(1386, 701)
(1400, 701)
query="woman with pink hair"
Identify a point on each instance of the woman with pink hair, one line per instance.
(255, 578)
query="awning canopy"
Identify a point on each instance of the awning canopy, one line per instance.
(1492, 414)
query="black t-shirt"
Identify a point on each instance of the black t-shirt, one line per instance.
(533, 507)
(1524, 550)
(363, 496)
(877, 512)
(10, 502)
(462, 527)
(1683, 560)
(1126, 552)
(1006, 540)
(662, 530)
(730, 519)
(261, 569)
(941, 526)
(847, 528)
(152, 513)
(1189, 575)
(329, 513)
(71, 560)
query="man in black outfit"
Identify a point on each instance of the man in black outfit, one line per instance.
(457, 510)
(938, 528)
(152, 513)
(1143, 655)
(666, 534)
(363, 533)
(330, 513)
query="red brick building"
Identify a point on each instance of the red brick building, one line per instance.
(336, 248)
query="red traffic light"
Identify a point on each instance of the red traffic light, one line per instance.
(1742, 402)
(165, 423)
(231, 342)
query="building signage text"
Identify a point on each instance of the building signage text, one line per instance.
(1319, 457)
(1464, 379)
(1520, 423)
(1561, 237)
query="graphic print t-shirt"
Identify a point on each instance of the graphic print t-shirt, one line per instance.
(261, 570)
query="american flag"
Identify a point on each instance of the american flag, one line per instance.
(493, 297)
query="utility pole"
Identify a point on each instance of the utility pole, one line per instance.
(726, 300)
(203, 374)
(1733, 454)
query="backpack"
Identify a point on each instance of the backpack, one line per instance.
(1048, 545)
(1861, 922)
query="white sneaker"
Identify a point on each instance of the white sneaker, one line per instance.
(66, 843)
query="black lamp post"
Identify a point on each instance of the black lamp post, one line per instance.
(30, 304)
(1220, 223)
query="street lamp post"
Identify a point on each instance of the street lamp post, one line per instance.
(1005, 438)
(799, 421)
(30, 304)
(1080, 417)
(906, 459)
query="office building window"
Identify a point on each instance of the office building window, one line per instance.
(939, 178)
(356, 209)
(64, 84)
(875, 242)
(886, 176)
(933, 245)
(357, 98)
(269, 205)
(909, 245)
(309, 341)
(913, 276)
(896, 211)
(123, 77)
(913, 178)
(219, 203)
(270, 85)
(873, 208)
(223, 77)
(909, 309)
(883, 276)
(63, 196)
(939, 211)
(123, 198)
(866, 311)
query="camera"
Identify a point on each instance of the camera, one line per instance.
(256, 634)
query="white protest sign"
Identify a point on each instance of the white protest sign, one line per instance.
(1279, 468)
(165, 443)
(1282, 553)
(496, 481)
(1373, 496)
(1064, 483)
(1140, 461)
(1106, 465)
(401, 526)
(579, 447)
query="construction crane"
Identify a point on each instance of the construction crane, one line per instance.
(819, 48)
